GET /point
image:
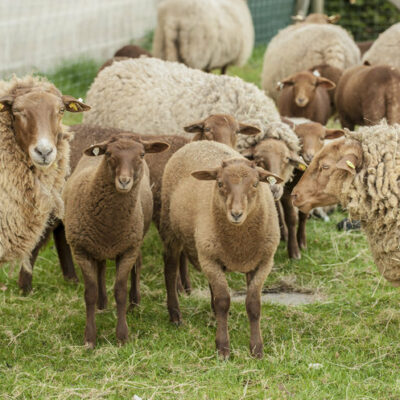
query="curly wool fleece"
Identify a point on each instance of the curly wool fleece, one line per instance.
(374, 195)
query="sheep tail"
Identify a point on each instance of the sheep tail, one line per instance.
(334, 55)
(172, 45)
(392, 102)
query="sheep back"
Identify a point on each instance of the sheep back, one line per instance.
(151, 96)
(204, 34)
(385, 49)
(301, 46)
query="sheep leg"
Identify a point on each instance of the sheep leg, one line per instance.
(64, 254)
(184, 273)
(124, 265)
(255, 282)
(223, 69)
(89, 272)
(101, 282)
(25, 277)
(301, 230)
(282, 224)
(134, 293)
(212, 299)
(346, 122)
(171, 261)
(291, 220)
(179, 283)
(221, 299)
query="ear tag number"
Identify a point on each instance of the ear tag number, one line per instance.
(302, 167)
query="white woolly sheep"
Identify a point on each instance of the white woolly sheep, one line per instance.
(159, 97)
(34, 155)
(108, 209)
(226, 219)
(301, 46)
(362, 172)
(204, 34)
(384, 49)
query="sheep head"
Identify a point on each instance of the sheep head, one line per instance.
(237, 186)
(312, 136)
(304, 85)
(124, 158)
(221, 128)
(323, 181)
(36, 119)
(275, 156)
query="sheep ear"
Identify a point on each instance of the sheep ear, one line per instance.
(286, 82)
(298, 18)
(332, 19)
(198, 136)
(298, 162)
(196, 127)
(209, 175)
(248, 153)
(348, 163)
(266, 176)
(325, 83)
(333, 133)
(6, 103)
(155, 147)
(96, 150)
(74, 105)
(248, 129)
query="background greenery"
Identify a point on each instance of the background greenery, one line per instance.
(353, 331)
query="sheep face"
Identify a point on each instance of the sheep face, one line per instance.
(36, 119)
(274, 155)
(221, 128)
(312, 136)
(124, 158)
(237, 186)
(322, 182)
(304, 85)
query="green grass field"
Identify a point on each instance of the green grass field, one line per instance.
(353, 332)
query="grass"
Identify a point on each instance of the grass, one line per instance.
(353, 332)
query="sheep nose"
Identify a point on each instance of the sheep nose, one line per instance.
(236, 214)
(43, 151)
(301, 100)
(124, 180)
(308, 157)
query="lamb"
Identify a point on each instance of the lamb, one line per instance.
(316, 18)
(305, 94)
(205, 34)
(312, 136)
(361, 172)
(366, 94)
(108, 209)
(222, 128)
(383, 50)
(34, 154)
(167, 96)
(295, 48)
(215, 209)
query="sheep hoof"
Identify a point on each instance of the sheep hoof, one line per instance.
(89, 345)
(257, 351)
(224, 353)
(296, 255)
(303, 246)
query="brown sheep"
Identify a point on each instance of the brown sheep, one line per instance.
(108, 209)
(333, 74)
(312, 136)
(305, 95)
(219, 127)
(132, 51)
(110, 62)
(366, 94)
(216, 210)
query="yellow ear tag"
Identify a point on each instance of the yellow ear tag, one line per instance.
(73, 106)
(1, 106)
(350, 164)
(271, 180)
(302, 167)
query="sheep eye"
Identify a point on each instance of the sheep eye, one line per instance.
(255, 184)
(62, 110)
(108, 154)
(207, 129)
(220, 184)
(141, 155)
(325, 166)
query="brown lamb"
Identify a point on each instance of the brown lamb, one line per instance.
(216, 210)
(108, 209)
(366, 94)
(305, 95)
